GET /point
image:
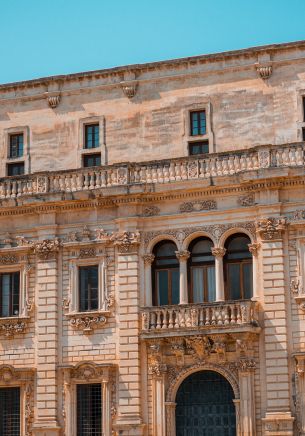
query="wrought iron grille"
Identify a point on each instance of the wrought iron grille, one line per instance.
(89, 410)
(205, 406)
(9, 412)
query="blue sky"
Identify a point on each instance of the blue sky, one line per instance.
(46, 37)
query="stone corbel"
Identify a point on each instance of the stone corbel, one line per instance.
(271, 228)
(264, 70)
(53, 99)
(129, 88)
(47, 249)
(126, 241)
(87, 321)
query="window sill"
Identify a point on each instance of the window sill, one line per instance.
(12, 325)
(89, 320)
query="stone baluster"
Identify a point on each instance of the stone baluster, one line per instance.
(299, 156)
(231, 165)
(154, 174)
(177, 171)
(172, 177)
(225, 167)
(2, 191)
(160, 174)
(218, 167)
(201, 168)
(292, 158)
(8, 189)
(148, 260)
(253, 248)
(285, 156)
(184, 171)
(62, 186)
(183, 256)
(19, 188)
(243, 163)
(14, 188)
(166, 173)
(148, 175)
(103, 179)
(255, 161)
(237, 164)
(97, 179)
(219, 252)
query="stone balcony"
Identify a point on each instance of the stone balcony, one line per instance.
(107, 180)
(208, 318)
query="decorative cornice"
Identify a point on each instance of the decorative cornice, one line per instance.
(271, 228)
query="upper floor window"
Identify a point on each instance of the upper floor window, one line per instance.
(92, 160)
(165, 274)
(303, 101)
(201, 271)
(89, 409)
(16, 145)
(92, 134)
(10, 411)
(198, 123)
(9, 294)
(238, 268)
(88, 288)
(15, 169)
(198, 147)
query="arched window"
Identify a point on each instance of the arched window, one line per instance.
(238, 268)
(165, 274)
(201, 271)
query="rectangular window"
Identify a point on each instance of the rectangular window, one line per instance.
(15, 169)
(9, 294)
(303, 133)
(88, 288)
(16, 145)
(198, 123)
(10, 411)
(92, 136)
(200, 147)
(92, 160)
(303, 99)
(89, 410)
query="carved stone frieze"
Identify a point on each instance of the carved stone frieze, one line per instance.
(8, 259)
(192, 206)
(11, 326)
(47, 248)
(87, 252)
(150, 211)
(126, 241)
(245, 365)
(298, 215)
(246, 200)
(216, 231)
(87, 322)
(200, 345)
(271, 228)
(101, 235)
(177, 347)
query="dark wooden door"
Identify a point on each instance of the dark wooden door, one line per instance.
(205, 406)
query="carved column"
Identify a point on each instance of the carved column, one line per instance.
(300, 379)
(247, 398)
(158, 399)
(183, 256)
(170, 409)
(148, 260)
(253, 248)
(219, 252)
(46, 411)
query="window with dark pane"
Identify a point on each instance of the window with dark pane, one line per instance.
(303, 100)
(15, 169)
(198, 123)
(165, 275)
(9, 294)
(238, 268)
(10, 411)
(16, 145)
(303, 133)
(88, 288)
(89, 410)
(201, 271)
(92, 160)
(92, 136)
(198, 147)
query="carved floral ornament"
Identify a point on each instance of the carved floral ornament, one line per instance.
(87, 322)
(47, 248)
(271, 228)
(192, 206)
(126, 241)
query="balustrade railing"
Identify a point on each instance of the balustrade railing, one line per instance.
(221, 314)
(162, 171)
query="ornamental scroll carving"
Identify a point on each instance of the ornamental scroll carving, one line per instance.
(87, 323)
(47, 249)
(193, 206)
(9, 327)
(126, 241)
(271, 228)
(8, 259)
(150, 211)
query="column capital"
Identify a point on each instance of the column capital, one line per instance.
(148, 259)
(253, 248)
(182, 255)
(218, 251)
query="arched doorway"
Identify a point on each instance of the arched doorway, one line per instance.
(205, 406)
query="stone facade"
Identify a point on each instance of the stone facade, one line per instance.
(59, 217)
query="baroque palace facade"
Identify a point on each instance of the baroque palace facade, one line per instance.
(152, 249)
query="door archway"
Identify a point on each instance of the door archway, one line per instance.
(204, 406)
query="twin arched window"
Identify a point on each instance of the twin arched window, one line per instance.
(237, 271)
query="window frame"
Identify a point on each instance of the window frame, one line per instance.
(206, 106)
(77, 385)
(23, 289)
(11, 136)
(86, 127)
(88, 155)
(301, 115)
(83, 122)
(89, 296)
(11, 294)
(25, 158)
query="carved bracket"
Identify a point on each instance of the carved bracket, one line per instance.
(11, 326)
(87, 322)
(297, 291)
(264, 71)
(271, 228)
(129, 88)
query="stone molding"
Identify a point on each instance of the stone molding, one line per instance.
(87, 321)
(271, 228)
(198, 205)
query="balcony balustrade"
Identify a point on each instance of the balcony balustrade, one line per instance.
(160, 172)
(241, 315)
